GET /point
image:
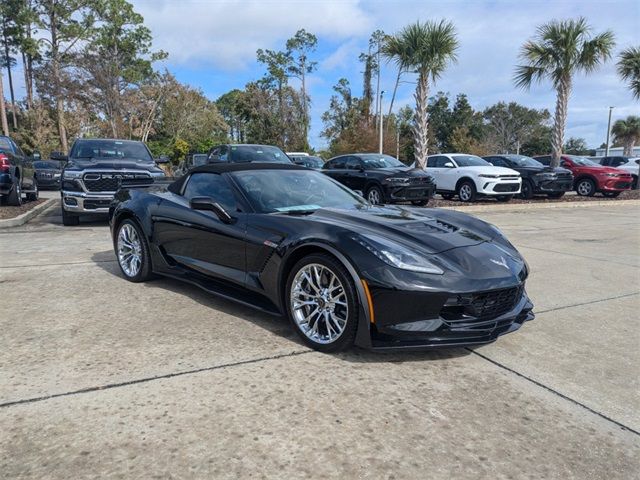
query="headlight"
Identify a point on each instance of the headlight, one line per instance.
(398, 180)
(611, 174)
(546, 175)
(56, 175)
(397, 255)
(157, 174)
(71, 174)
(484, 175)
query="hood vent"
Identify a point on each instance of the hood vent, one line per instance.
(435, 226)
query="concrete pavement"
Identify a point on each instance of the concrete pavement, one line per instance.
(104, 378)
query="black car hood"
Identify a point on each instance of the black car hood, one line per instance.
(111, 164)
(543, 169)
(429, 230)
(400, 171)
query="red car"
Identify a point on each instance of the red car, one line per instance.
(591, 177)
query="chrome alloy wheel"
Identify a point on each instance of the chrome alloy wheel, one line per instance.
(319, 303)
(584, 188)
(374, 196)
(129, 250)
(465, 193)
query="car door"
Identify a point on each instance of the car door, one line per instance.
(444, 171)
(198, 239)
(336, 169)
(354, 177)
(28, 172)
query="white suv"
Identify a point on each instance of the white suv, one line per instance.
(469, 176)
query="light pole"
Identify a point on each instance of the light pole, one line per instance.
(606, 154)
(381, 119)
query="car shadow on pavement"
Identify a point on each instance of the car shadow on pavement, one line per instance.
(276, 325)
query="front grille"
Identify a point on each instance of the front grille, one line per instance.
(107, 182)
(481, 306)
(45, 175)
(506, 187)
(419, 180)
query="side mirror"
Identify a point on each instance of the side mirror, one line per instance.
(59, 156)
(207, 203)
(449, 165)
(162, 159)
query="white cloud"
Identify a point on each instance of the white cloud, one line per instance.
(226, 34)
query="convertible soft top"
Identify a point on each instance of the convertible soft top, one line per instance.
(226, 167)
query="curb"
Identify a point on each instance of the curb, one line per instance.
(26, 216)
(541, 206)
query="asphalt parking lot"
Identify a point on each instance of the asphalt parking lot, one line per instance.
(103, 378)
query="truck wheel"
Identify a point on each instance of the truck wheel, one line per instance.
(15, 195)
(69, 219)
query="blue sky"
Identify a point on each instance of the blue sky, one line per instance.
(212, 44)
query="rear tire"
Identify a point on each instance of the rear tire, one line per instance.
(69, 219)
(329, 310)
(467, 191)
(586, 187)
(15, 195)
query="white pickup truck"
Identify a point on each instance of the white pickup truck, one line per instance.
(469, 176)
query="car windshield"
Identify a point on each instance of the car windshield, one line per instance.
(470, 161)
(380, 161)
(292, 191)
(583, 161)
(523, 161)
(258, 153)
(116, 149)
(42, 165)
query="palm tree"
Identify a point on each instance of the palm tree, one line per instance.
(629, 69)
(627, 132)
(559, 50)
(394, 49)
(425, 48)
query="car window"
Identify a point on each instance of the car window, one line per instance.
(223, 153)
(17, 149)
(336, 163)
(353, 163)
(211, 185)
(257, 153)
(373, 160)
(618, 161)
(199, 159)
(470, 161)
(5, 144)
(544, 159)
(437, 161)
(498, 162)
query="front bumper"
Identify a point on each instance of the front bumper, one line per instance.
(409, 193)
(615, 184)
(434, 329)
(496, 187)
(81, 202)
(553, 186)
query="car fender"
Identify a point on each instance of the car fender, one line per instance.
(582, 176)
(363, 333)
(469, 177)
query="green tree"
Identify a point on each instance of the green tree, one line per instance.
(509, 126)
(277, 64)
(394, 49)
(627, 132)
(576, 146)
(299, 47)
(629, 69)
(430, 47)
(117, 57)
(559, 50)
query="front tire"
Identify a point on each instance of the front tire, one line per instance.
(467, 191)
(33, 196)
(527, 190)
(132, 252)
(321, 303)
(586, 187)
(375, 195)
(69, 219)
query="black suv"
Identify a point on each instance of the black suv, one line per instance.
(536, 178)
(94, 171)
(243, 153)
(382, 178)
(17, 175)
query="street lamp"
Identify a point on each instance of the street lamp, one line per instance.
(381, 119)
(606, 154)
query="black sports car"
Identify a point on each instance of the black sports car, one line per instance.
(382, 178)
(292, 241)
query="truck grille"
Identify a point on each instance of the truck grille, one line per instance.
(506, 187)
(108, 182)
(480, 306)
